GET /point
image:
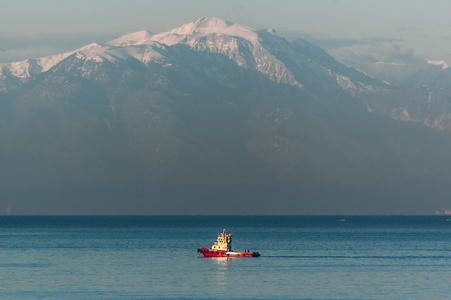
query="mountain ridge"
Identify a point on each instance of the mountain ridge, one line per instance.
(207, 34)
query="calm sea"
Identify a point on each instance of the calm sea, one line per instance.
(303, 257)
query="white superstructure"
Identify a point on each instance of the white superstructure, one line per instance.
(223, 242)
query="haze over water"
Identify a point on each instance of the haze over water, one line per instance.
(303, 257)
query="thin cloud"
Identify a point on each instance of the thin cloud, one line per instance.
(239, 12)
(323, 41)
(328, 42)
(18, 54)
(38, 44)
(408, 29)
(384, 60)
(379, 52)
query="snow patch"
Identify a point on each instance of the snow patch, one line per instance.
(135, 38)
(441, 63)
(345, 82)
(437, 123)
(90, 47)
(401, 114)
(93, 52)
(24, 69)
(29, 67)
(391, 63)
(206, 26)
(272, 31)
(49, 61)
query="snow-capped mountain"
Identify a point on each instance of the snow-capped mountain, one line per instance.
(208, 48)
(299, 64)
(211, 109)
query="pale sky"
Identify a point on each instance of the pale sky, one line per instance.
(31, 28)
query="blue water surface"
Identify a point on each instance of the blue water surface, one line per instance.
(155, 257)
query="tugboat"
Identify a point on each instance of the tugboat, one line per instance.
(223, 248)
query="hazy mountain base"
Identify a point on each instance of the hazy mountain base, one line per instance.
(190, 140)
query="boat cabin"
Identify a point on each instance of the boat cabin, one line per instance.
(224, 241)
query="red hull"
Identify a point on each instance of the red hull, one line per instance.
(207, 252)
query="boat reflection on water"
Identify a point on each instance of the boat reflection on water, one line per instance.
(222, 270)
(221, 261)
